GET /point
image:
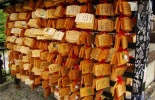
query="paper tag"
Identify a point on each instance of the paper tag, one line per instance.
(126, 57)
(89, 98)
(76, 98)
(72, 36)
(76, 87)
(64, 91)
(105, 25)
(23, 23)
(13, 67)
(33, 15)
(58, 35)
(129, 81)
(33, 69)
(111, 52)
(117, 71)
(63, 47)
(49, 31)
(18, 76)
(17, 48)
(105, 40)
(22, 16)
(36, 71)
(28, 81)
(75, 95)
(134, 38)
(95, 53)
(65, 81)
(13, 38)
(36, 53)
(54, 68)
(53, 47)
(56, 87)
(25, 59)
(50, 13)
(84, 18)
(102, 83)
(54, 78)
(133, 5)
(16, 30)
(33, 23)
(44, 64)
(14, 16)
(87, 67)
(40, 13)
(26, 66)
(58, 10)
(66, 97)
(88, 79)
(102, 69)
(23, 77)
(45, 75)
(20, 24)
(24, 49)
(56, 95)
(73, 10)
(86, 91)
(106, 9)
(19, 41)
(17, 62)
(8, 38)
(128, 95)
(120, 89)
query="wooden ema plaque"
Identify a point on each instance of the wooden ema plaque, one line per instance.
(67, 46)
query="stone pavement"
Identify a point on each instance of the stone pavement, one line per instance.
(25, 93)
(150, 92)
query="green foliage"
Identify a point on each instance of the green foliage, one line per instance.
(2, 28)
(3, 71)
(2, 37)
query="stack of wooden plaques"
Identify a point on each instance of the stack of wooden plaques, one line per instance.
(65, 46)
